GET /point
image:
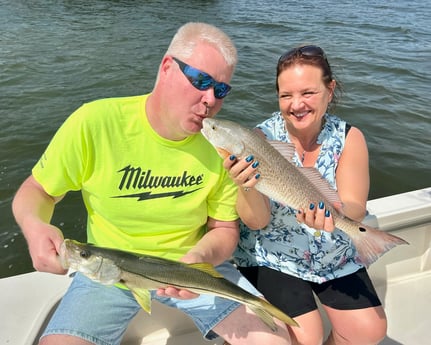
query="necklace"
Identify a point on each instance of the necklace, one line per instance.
(303, 156)
(318, 140)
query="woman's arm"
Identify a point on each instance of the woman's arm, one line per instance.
(352, 175)
(252, 206)
(353, 182)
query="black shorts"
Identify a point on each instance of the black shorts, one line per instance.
(295, 296)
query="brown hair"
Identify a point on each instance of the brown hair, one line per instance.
(308, 55)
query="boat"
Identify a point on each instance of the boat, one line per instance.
(402, 278)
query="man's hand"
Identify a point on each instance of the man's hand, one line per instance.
(174, 292)
(44, 246)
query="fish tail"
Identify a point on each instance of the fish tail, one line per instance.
(371, 243)
(266, 311)
(264, 316)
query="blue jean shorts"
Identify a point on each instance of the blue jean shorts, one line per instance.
(100, 314)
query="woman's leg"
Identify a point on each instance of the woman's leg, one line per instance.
(293, 296)
(356, 327)
(310, 331)
(354, 310)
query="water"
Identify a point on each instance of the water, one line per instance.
(55, 55)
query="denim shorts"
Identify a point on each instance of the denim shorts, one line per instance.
(100, 314)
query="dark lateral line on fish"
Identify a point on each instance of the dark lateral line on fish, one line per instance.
(188, 287)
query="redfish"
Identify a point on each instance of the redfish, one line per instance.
(284, 182)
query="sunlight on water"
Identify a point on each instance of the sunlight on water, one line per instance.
(55, 55)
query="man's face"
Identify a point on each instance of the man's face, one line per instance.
(187, 105)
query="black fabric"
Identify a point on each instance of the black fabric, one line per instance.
(294, 296)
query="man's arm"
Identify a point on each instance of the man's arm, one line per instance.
(33, 209)
(215, 247)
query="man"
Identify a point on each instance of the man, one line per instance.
(151, 184)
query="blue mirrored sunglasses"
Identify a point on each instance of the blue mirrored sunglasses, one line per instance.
(203, 81)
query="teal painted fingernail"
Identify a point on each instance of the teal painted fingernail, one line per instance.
(249, 158)
(327, 213)
(256, 176)
(321, 205)
(255, 164)
(232, 157)
(311, 206)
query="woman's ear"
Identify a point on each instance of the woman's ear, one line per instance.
(331, 87)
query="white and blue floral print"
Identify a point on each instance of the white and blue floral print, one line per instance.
(294, 248)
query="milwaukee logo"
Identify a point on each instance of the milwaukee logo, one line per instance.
(137, 179)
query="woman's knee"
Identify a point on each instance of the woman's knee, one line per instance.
(366, 336)
(310, 330)
(361, 326)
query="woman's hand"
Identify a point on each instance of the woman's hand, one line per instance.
(242, 171)
(252, 206)
(317, 218)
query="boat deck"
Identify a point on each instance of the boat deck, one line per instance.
(402, 278)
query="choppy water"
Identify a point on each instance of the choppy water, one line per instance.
(55, 55)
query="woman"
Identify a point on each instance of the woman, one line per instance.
(283, 252)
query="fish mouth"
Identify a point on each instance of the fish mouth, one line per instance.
(64, 260)
(199, 119)
(204, 129)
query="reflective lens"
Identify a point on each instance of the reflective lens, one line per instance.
(203, 81)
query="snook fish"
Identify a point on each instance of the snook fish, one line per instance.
(288, 184)
(141, 273)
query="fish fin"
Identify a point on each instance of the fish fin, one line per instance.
(339, 206)
(207, 268)
(287, 150)
(323, 186)
(143, 297)
(264, 316)
(267, 311)
(372, 243)
(275, 312)
(222, 152)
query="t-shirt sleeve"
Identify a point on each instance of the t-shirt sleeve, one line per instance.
(62, 167)
(222, 203)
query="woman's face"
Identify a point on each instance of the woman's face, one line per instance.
(303, 97)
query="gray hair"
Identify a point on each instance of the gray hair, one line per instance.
(188, 35)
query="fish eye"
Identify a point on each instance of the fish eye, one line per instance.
(85, 254)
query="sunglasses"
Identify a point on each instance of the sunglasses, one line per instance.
(307, 51)
(203, 81)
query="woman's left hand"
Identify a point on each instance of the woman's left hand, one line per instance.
(316, 217)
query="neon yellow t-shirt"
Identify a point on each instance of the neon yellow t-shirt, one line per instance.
(143, 193)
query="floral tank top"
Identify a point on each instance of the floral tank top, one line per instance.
(293, 248)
